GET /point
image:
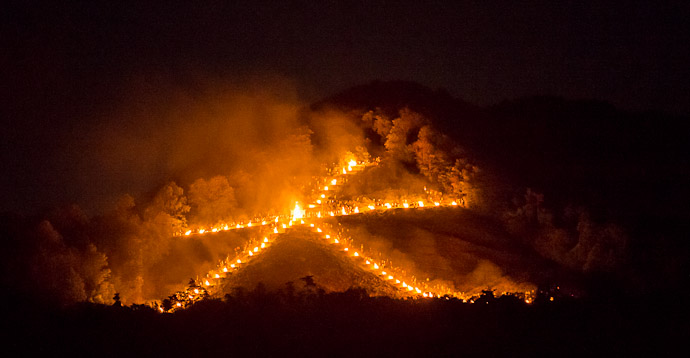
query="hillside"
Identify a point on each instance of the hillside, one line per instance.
(300, 253)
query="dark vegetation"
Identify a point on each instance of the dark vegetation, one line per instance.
(308, 322)
(577, 157)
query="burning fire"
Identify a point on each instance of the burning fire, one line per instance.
(297, 213)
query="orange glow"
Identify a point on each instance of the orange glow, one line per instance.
(320, 205)
(297, 213)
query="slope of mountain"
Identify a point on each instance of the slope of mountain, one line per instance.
(298, 254)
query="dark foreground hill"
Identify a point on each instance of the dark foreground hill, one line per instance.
(351, 324)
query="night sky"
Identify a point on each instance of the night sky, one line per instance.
(67, 67)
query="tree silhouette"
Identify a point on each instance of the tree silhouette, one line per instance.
(117, 300)
(308, 281)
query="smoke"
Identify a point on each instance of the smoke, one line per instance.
(170, 155)
(572, 239)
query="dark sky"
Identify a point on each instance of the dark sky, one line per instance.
(64, 67)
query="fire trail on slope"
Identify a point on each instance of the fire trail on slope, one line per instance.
(322, 205)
